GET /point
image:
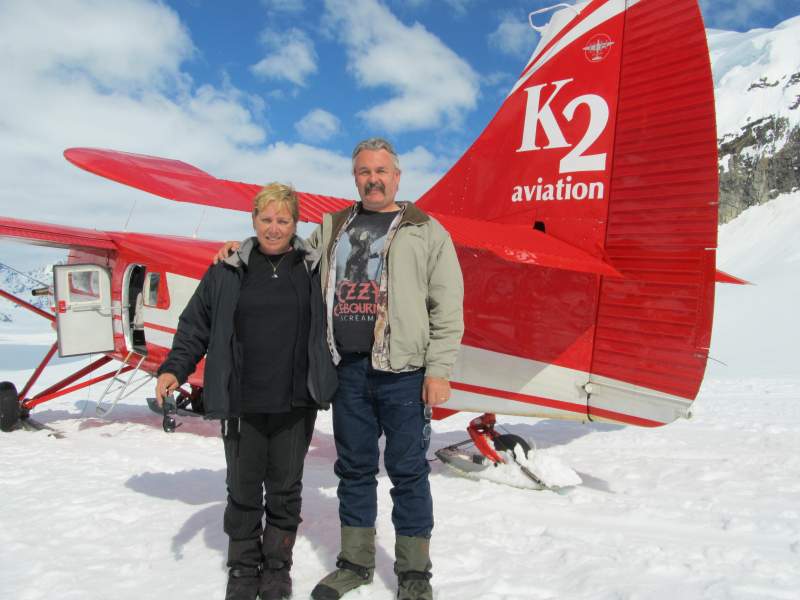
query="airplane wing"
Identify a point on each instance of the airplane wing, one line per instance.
(177, 180)
(55, 236)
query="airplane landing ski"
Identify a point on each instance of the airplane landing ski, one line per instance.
(505, 458)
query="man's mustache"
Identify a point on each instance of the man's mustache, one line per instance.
(376, 185)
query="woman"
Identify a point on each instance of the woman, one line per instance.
(258, 316)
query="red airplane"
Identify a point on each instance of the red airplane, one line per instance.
(584, 215)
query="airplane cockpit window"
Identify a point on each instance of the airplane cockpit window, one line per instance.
(84, 286)
(153, 279)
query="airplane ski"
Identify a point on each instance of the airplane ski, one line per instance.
(505, 458)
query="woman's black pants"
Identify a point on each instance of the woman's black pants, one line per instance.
(264, 454)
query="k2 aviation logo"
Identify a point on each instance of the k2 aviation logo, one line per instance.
(539, 114)
(597, 48)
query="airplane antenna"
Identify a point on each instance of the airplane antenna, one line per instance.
(200, 222)
(540, 28)
(130, 214)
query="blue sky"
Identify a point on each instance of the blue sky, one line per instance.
(254, 90)
(323, 97)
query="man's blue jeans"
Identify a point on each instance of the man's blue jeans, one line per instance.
(369, 404)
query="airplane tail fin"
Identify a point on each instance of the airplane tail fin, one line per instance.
(608, 142)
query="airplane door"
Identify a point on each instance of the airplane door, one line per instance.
(83, 309)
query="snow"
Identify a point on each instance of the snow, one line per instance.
(702, 508)
(548, 467)
(756, 327)
(767, 58)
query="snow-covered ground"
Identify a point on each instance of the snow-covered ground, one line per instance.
(704, 508)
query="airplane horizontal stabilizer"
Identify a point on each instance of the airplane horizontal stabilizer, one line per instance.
(55, 236)
(723, 277)
(180, 181)
(521, 244)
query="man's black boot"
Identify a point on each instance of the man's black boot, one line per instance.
(413, 568)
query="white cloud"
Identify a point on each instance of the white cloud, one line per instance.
(422, 166)
(514, 37)
(735, 14)
(459, 6)
(413, 4)
(433, 86)
(286, 6)
(68, 82)
(318, 170)
(500, 81)
(292, 56)
(318, 125)
(132, 44)
(110, 74)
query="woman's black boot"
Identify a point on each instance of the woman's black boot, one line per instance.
(276, 546)
(243, 583)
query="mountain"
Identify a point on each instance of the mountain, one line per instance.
(20, 284)
(757, 88)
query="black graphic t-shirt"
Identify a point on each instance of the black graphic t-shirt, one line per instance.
(359, 263)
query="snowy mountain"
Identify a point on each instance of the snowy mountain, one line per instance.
(757, 87)
(20, 283)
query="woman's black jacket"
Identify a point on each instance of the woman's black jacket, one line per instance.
(206, 326)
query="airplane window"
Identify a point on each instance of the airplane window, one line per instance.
(153, 280)
(84, 286)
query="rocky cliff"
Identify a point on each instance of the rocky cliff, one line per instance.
(757, 86)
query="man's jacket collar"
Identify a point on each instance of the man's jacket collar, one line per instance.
(412, 215)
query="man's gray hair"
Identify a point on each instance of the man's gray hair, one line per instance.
(376, 143)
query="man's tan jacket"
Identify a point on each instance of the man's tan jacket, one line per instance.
(420, 318)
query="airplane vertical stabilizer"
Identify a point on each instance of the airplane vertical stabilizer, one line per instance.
(607, 142)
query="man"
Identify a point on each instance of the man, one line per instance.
(394, 293)
(394, 334)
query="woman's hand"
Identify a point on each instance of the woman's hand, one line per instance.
(165, 384)
(227, 249)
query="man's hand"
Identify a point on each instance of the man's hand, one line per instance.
(227, 249)
(165, 384)
(435, 391)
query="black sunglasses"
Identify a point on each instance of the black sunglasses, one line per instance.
(426, 430)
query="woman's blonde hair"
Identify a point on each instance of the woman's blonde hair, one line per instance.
(280, 193)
